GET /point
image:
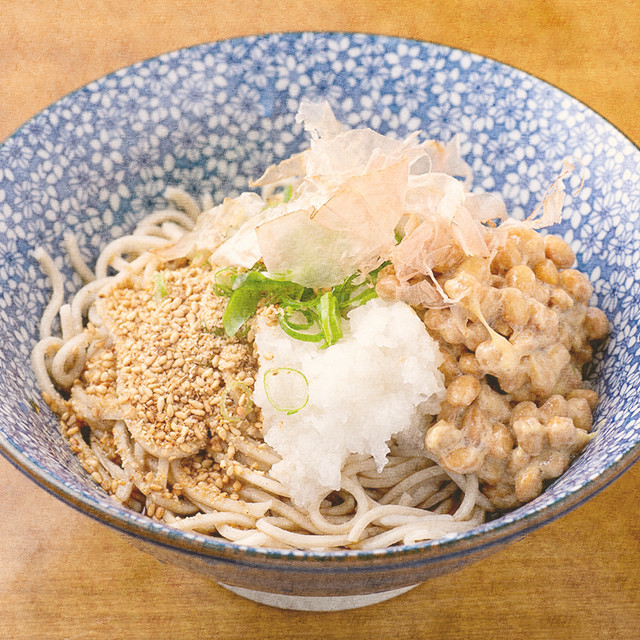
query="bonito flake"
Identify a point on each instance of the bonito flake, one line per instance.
(351, 195)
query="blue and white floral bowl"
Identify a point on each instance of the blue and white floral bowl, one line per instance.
(211, 117)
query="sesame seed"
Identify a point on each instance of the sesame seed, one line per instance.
(165, 372)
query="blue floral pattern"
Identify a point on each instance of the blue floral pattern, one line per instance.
(211, 117)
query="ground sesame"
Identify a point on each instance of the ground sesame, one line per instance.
(166, 349)
(162, 368)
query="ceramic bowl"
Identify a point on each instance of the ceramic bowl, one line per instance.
(209, 118)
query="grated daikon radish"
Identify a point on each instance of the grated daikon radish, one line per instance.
(380, 380)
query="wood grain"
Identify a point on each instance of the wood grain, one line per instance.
(63, 575)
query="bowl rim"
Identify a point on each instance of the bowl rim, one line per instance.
(480, 538)
(426, 552)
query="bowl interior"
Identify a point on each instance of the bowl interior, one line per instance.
(209, 118)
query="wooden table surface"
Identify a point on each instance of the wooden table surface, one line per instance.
(64, 576)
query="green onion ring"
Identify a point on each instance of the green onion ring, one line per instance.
(269, 373)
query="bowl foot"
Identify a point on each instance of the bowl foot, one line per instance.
(316, 603)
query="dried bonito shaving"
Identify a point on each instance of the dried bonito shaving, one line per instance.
(357, 198)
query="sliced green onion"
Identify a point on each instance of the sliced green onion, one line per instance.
(223, 280)
(287, 389)
(242, 305)
(344, 290)
(330, 318)
(160, 285)
(373, 275)
(361, 298)
(304, 302)
(239, 390)
(248, 289)
(200, 258)
(296, 333)
(309, 315)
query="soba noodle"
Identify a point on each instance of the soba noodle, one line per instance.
(411, 499)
